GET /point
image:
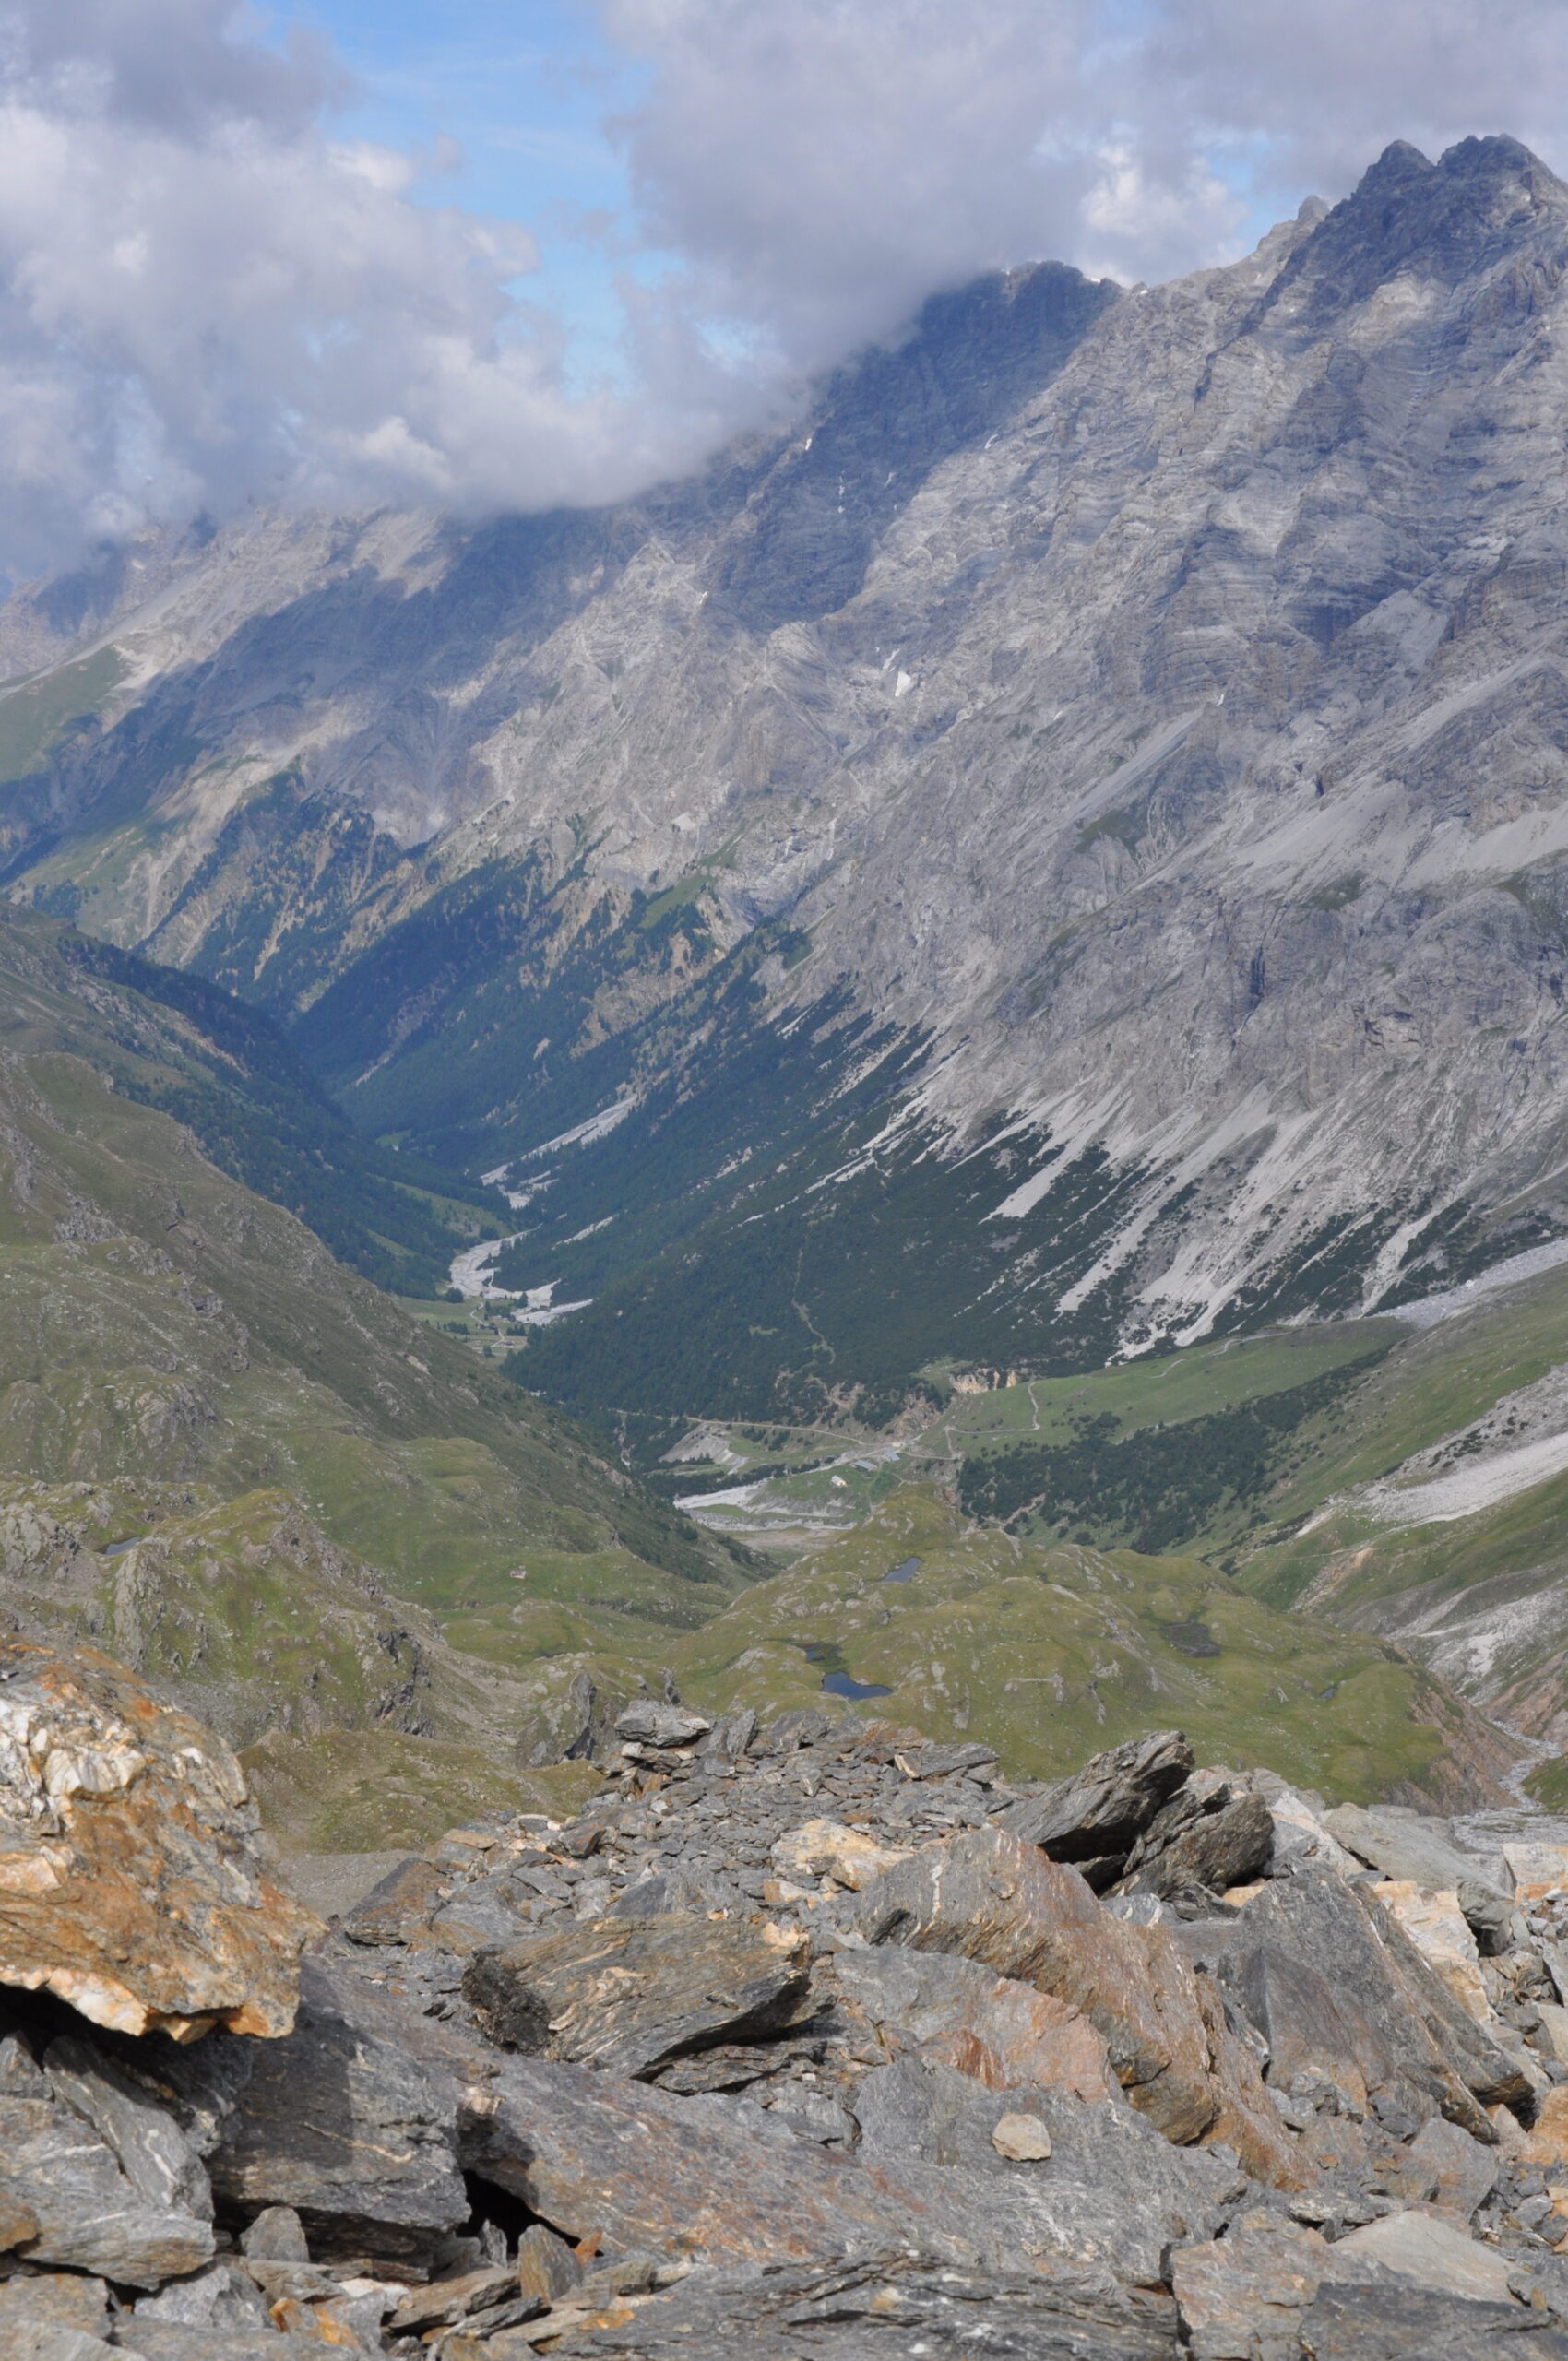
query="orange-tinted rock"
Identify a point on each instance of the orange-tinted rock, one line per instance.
(1001, 2031)
(130, 1880)
(1547, 2141)
(990, 1896)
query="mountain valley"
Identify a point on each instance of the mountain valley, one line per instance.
(988, 967)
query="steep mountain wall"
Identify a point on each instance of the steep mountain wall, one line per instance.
(1095, 795)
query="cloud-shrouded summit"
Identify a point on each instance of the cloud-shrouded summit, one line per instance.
(209, 297)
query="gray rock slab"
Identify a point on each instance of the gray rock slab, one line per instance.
(1436, 2254)
(1465, 2171)
(630, 1995)
(1102, 1811)
(1112, 2194)
(881, 2308)
(1403, 1845)
(90, 2217)
(1385, 2010)
(1413, 2324)
(221, 2296)
(720, 2179)
(155, 2155)
(345, 2126)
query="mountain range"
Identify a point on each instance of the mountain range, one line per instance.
(1039, 891)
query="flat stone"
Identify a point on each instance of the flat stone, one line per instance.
(631, 1995)
(651, 1724)
(1103, 1810)
(826, 1848)
(1021, 2139)
(1465, 2173)
(999, 2031)
(446, 2301)
(1434, 2253)
(131, 1884)
(63, 2298)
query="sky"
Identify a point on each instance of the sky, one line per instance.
(490, 254)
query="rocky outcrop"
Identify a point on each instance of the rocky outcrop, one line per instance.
(130, 1880)
(1095, 1819)
(961, 2102)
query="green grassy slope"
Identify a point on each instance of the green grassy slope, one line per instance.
(165, 1328)
(176, 1043)
(1050, 1653)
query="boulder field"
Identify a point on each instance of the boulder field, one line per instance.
(815, 2038)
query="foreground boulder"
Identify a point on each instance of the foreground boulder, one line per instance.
(719, 2180)
(343, 2122)
(1095, 1819)
(990, 1897)
(1339, 1993)
(94, 2175)
(130, 1880)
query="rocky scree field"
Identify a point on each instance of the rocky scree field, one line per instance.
(805, 2037)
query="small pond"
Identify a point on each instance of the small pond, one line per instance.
(904, 1571)
(839, 1684)
(836, 1681)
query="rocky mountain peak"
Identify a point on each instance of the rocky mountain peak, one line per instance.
(1443, 222)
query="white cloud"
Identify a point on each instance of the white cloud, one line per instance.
(206, 298)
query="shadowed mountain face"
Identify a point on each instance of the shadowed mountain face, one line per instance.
(1065, 849)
